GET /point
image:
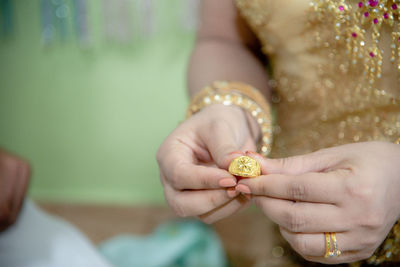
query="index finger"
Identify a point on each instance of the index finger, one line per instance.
(183, 172)
(308, 187)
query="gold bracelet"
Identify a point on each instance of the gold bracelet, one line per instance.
(390, 249)
(241, 95)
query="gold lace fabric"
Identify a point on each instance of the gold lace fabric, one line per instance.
(335, 71)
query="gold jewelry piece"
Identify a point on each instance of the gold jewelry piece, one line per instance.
(327, 245)
(336, 251)
(241, 95)
(245, 166)
(389, 250)
(329, 239)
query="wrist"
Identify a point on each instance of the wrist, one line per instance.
(237, 116)
(255, 108)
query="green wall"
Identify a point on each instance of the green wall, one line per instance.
(90, 118)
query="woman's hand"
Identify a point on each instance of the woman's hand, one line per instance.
(194, 158)
(14, 178)
(351, 190)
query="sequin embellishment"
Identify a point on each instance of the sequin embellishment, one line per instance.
(359, 28)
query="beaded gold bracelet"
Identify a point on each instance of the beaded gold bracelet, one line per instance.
(390, 249)
(241, 95)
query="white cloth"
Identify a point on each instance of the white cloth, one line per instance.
(38, 239)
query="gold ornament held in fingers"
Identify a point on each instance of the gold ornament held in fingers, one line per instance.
(245, 166)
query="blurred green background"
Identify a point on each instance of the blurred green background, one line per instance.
(90, 117)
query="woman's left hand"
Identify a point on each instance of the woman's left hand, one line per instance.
(352, 190)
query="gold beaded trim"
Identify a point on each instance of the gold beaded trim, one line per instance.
(241, 95)
(390, 248)
(353, 19)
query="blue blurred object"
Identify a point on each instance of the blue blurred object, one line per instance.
(179, 243)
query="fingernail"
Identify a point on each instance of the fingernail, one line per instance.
(227, 182)
(243, 189)
(232, 193)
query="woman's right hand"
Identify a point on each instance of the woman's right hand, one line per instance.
(194, 159)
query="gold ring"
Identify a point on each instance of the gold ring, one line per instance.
(336, 251)
(245, 166)
(329, 239)
(328, 252)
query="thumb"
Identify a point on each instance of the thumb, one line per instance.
(221, 143)
(313, 162)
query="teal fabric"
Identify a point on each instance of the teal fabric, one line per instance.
(173, 244)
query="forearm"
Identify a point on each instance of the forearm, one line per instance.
(217, 59)
(224, 49)
(221, 59)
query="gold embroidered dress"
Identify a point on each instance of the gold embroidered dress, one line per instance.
(335, 68)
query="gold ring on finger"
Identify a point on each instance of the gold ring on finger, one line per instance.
(331, 246)
(336, 251)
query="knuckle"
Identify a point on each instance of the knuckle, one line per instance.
(223, 149)
(261, 187)
(295, 222)
(285, 162)
(213, 200)
(175, 179)
(297, 191)
(295, 163)
(178, 209)
(364, 193)
(374, 220)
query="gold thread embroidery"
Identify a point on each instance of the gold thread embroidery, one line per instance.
(351, 26)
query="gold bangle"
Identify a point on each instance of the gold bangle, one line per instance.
(389, 251)
(241, 95)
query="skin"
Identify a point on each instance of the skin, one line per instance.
(352, 190)
(14, 179)
(194, 158)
